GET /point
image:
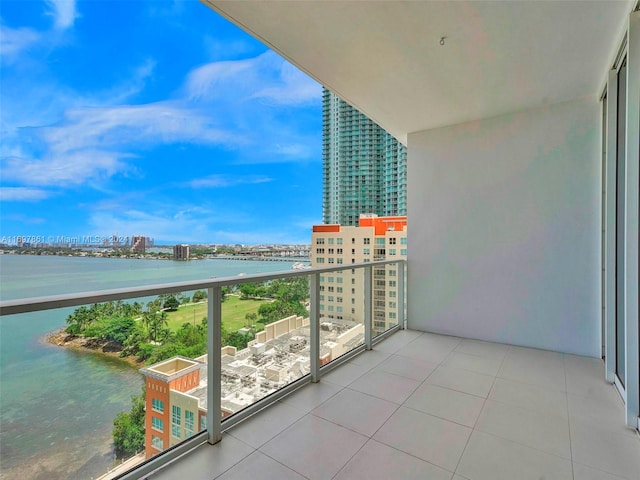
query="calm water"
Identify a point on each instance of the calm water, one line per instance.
(57, 406)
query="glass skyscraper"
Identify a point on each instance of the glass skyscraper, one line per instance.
(364, 167)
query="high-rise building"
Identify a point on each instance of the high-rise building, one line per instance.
(181, 252)
(342, 293)
(364, 167)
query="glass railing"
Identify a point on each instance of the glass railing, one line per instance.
(229, 345)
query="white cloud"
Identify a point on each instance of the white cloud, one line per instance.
(267, 77)
(71, 168)
(220, 181)
(63, 12)
(217, 105)
(23, 194)
(14, 40)
(292, 88)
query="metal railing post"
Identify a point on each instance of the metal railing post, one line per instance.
(314, 325)
(368, 322)
(401, 313)
(214, 364)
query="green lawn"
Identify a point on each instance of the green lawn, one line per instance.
(233, 313)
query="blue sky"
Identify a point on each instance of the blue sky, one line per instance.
(155, 118)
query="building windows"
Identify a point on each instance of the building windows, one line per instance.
(367, 251)
(330, 279)
(339, 289)
(380, 241)
(203, 422)
(403, 251)
(353, 310)
(353, 241)
(339, 251)
(339, 309)
(392, 294)
(339, 260)
(392, 315)
(176, 415)
(319, 241)
(331, 250)
(331, 308)
(175, 431)
(322, 288)
(157, 424)
(330, 240)
(157, 405)
(319, 260)
(339, 241)
(322, 298)
(392, 241)
(367, 241)
(330, 289)
(339, 299)
(353, 301)
(157, 443)
(331, 260)
(188, 423)
(353, 251)
(392, 273)
(392, 304)
(320, 251)
(392, 283)
(392, 251)
(403, 241)
(339, 280)
(330, 298)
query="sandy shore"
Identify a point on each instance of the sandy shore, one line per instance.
(93, 345)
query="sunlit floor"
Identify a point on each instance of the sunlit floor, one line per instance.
(428, 406)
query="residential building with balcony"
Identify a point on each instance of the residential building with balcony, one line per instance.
(364, 167)
(521, 355)
(342, 294)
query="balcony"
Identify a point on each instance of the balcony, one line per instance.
(421, 405)
(400, 404)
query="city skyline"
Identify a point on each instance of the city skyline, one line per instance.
(181, 127)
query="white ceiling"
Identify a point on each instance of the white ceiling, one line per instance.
(385, 57)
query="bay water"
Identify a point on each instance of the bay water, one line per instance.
(57, 405)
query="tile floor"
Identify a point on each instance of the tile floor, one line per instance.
(425, 406)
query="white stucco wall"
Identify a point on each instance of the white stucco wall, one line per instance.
(504, 237)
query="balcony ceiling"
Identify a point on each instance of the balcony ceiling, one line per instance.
(385, 57)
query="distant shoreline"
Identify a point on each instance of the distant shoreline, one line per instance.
(147, 256)
(60, 338)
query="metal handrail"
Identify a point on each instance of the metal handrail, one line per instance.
(35, 304)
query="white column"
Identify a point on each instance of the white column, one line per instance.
(631, 219)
